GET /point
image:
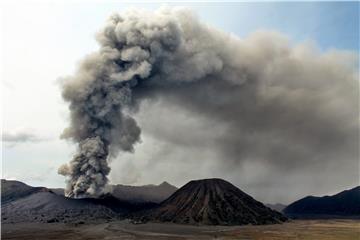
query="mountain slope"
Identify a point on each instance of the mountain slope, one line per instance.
(146, 193)
(23, 203)
(345, 203)
(213, 202)
(58, 191)
(12, 190)
(50, 207)
(138, 194)
(277, 206)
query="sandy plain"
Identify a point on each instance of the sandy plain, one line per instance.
(295, 229)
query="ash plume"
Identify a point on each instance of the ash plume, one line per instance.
(264, 89)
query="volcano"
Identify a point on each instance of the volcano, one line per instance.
(24, 203)
(213, 202)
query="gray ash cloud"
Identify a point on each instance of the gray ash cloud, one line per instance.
(287, 106)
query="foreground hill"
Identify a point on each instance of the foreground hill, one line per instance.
(343, 204)
(213, 202)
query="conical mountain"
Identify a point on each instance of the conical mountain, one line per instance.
(213, 202)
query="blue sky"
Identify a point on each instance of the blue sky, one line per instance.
(329, 24)
(43, 40)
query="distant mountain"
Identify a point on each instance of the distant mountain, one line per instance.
(277, 206)
(343, 204)
(139, 194)
(146, 193)
(213, 202)
(58, 191)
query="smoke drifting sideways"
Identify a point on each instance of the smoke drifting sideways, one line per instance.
(258, 84)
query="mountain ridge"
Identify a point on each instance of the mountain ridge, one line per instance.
(139, 194)
(276, 206)
(343, 204)
(145, 193)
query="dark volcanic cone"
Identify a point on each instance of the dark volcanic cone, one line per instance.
(214, 202)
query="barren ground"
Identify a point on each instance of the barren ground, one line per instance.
(309, 229)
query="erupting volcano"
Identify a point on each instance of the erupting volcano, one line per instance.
(257, 89)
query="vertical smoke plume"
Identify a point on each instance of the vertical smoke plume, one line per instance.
(138, 50)
(100, 93)
(259, 85)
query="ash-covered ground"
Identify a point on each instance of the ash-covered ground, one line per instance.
(301, 230)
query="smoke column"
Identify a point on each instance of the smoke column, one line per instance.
(168, 52)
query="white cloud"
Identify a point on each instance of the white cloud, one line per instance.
(20, 136)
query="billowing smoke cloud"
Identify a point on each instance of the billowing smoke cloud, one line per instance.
(263, 92)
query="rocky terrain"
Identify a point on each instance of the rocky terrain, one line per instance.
(345, 204)
(213, 202)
